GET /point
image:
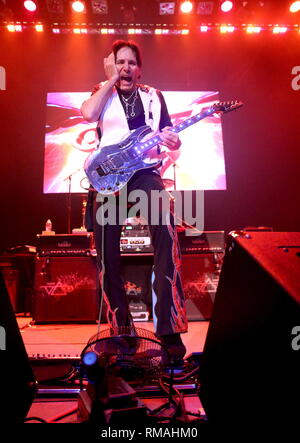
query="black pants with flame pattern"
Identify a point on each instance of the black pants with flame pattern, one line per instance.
(170, 305)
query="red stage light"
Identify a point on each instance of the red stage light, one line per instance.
(279, 29)
(295, 7)
(226, 6)
(30, 5)
(186, 7)
(14, 28)
(11, 28)
(78, 6)
(226, 28)
(253, 29)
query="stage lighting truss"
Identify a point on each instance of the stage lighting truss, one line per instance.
(130, 12)
(145, 29)
(166, 8)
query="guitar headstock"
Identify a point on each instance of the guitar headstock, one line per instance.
(226, 106)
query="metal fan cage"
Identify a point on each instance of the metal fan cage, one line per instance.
(136, 351)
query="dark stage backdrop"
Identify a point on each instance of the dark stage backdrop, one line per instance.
(261, 141)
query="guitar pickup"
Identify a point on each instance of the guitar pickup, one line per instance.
(102, 170)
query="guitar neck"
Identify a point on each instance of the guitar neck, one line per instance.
(192, 120)
(155, 140)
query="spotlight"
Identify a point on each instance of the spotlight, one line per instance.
(78, 6)
(10, 28)
(14, 28)
(253, 29)
(30, 5)
(224, 29)
(186, 7)
(295, 7)
(107, 31)
(90, 358)
(79, 31)
(226, 6)
(279, 29)
(134, 31)
(39, 28)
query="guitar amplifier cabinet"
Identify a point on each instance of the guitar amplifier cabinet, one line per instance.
(136, 274)
(11, 278)
(67, 245)
(200, 278)
(65, 290)
(202, 242)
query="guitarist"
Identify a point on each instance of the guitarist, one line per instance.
(118, 105)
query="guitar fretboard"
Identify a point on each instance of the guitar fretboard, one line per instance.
(154, 141)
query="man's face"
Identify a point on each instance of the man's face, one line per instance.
(128, 69)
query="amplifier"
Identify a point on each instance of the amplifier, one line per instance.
(203, 243)
(200, 279)
(135, 237)
(11, 278)
(64, 244)
(65, 290)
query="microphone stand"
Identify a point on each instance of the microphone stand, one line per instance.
(174, 174)
(69, 201)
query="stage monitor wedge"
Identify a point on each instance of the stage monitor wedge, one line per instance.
(251, 357)
(18, 385)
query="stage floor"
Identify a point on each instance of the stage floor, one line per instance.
(54, 341)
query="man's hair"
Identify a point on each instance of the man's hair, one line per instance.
(129, 44)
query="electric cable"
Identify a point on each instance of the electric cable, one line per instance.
(62, 415)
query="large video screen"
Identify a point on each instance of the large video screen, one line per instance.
(198, 164)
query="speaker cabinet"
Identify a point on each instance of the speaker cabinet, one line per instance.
(200, 277)
(16, 375)
(136, 274)
(11, 279)
(251, 358)
(65, 290)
